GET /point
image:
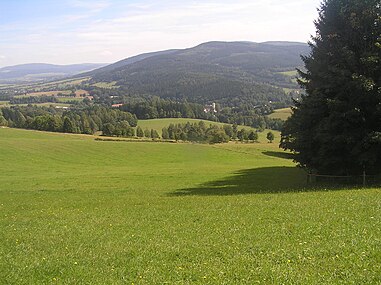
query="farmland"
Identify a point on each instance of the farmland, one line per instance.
(282, 114)
(78, 211)
(159, 124)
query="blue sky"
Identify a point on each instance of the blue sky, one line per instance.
(76, 31)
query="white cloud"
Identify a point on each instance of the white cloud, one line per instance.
(106, 53)
(74, 18)
(89, 35)
(92, 6)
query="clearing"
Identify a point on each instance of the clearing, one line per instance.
(282, 114)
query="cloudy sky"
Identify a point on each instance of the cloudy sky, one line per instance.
(77, 31)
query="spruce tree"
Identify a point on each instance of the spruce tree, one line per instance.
(165, 133)
(336, 127)
(270, 136)
(154, 134)
(139, 132)
(147, 133)
(68, 126)
(253, 136)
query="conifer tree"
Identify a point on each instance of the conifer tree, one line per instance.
(68, 126)
(270, 137)
(147, 133)
(139, 132)
(336, 126)
(165, 133)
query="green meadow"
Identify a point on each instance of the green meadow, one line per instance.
(74, 210)
(159, 124)
(290, 73)
(282, 114)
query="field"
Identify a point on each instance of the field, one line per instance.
(78, 93)
(69, 99)
(159, 124)
(282, 114)
(78, 211)
(46, 104)
(290, 73)
(46, 93)
(107, 85)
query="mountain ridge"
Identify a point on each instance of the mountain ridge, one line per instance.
(219, 71)
(43, 71)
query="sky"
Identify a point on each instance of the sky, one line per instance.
(105, 31)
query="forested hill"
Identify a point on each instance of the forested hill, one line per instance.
(33, 72)
(226, 72)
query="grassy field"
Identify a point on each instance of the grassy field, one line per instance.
(282, 114)
(107, 85)
(78, 211)
(290, 73)
(60, 83)
(78, 93)
(46, 93)
(69, 99)
(159, 124)
(47, 104)
(81, 92)
(290, 90)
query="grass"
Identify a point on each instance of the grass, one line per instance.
(78, 211)
(80, 92)
(46, 93)
(290, 73)
(60, 84)
(159, 124)
(282, 114)
(47, 104)
(69, 99)
(71, 82)
(289, 90)
(107, 85)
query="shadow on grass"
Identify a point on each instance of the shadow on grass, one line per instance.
(284, 155)
(256, 181)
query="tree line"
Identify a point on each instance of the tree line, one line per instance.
(33, 99)
(88, 120)
(154, 108)
(201, 132)
(254, 116)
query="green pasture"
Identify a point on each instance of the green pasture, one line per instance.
(107, 85)
(290, 73)
(69, 99)
(282, 114)
(78, 211)
(159, 124)
(290, 90)
(47, 93)
(47, 104)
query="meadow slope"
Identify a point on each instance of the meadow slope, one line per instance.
(78, 211)
(159, 124)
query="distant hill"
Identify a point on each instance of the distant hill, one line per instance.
(34, 72)
(230, 73)
(128, 61)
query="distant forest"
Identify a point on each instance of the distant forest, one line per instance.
(246, 81)
(246, 113)
(88, 120)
